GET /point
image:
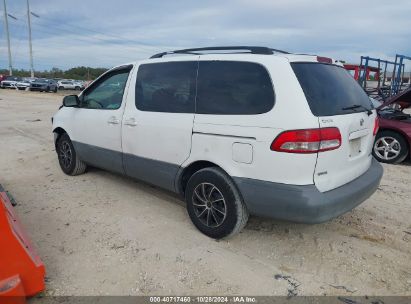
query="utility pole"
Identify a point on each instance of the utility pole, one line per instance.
(8, 37)
(30, 45)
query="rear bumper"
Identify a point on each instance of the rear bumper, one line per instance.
(306, 204)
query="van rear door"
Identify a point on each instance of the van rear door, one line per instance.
(338, 101)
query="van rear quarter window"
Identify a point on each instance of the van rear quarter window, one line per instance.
(233, 88)
(329, 89)
(166, 87)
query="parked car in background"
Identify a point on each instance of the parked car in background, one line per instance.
(80, 84)
(23, 85)
(70, 85)
(211, 128)
(393, 141)
(10, 82)
(43, 85)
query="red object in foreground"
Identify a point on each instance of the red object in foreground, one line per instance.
(21, 270)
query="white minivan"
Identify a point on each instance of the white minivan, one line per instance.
(234, 130)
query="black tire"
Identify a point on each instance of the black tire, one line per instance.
(61, 88)
(48, 89)
(222, 196)
(65, 150)
(77, 88)
(55, 90)
(390, 147)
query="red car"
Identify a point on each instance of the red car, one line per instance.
(393, 141)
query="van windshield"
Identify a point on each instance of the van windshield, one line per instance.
(330, 89)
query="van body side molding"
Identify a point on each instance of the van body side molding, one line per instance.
(155, 172)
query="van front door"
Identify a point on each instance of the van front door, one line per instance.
(158, 121)
(96, 124)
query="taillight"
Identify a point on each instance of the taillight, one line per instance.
(376, 126)
(307, 141)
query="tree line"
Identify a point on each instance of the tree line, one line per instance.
(79, 73)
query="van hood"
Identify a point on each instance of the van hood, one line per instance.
(403, 99)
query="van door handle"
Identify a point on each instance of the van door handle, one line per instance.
(130, 122)
(113, 121)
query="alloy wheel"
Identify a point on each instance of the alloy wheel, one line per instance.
(66, 154)
(209, 205)
(387, 148)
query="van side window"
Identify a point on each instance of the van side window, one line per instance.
(233, 88)
(107, 93)
(166, 87)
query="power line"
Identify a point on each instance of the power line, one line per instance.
(55, 32)
(101, 33)
(78, 37)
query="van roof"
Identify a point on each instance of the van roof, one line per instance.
(261, 50)
(256, 50)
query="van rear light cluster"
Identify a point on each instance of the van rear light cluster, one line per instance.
(307, 141)
(376, 126)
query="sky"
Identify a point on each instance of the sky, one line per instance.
(107, 33)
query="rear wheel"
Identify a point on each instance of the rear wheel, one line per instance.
(68, 159)
(214, 204)
(390, 147)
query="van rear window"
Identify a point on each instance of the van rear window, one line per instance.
(330, 89)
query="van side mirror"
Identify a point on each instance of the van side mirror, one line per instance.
(71, 101)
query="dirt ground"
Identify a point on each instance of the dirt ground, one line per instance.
(104, 234)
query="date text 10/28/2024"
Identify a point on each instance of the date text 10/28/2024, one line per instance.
(202, 299)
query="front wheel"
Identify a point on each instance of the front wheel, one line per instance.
(68, 159)
(390, 147)
(214, 204)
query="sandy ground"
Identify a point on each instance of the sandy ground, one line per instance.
(104, 234)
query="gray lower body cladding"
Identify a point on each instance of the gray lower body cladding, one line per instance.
(154, 172)
(305, 204)
(295, 203)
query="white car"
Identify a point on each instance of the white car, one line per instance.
(69, 85)
(260, 132)
(23, 85)
(10, 82)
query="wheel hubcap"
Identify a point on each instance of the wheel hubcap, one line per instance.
(209, 205)
(387, 148)
(66, 155)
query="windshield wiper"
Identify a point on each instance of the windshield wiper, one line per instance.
(353, 107)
